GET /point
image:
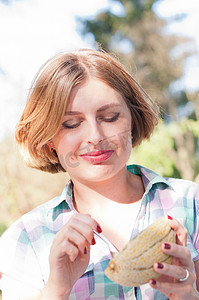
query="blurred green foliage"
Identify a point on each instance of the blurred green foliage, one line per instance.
(138, 37)
(172, 150)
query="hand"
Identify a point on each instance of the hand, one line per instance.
(168, 283)
(69, 255)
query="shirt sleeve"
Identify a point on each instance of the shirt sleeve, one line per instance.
(18, 259)
(16, 290)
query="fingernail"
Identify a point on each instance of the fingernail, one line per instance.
(160, 266)
(169, 217)
(99, 229)
(167, 246)
(85, 250)
(153, 281)
(93, 241)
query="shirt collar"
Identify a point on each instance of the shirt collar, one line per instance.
(149, 178)
(65, 197)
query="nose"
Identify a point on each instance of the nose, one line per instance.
(95, 133)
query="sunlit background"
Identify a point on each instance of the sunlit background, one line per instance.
(31, 31)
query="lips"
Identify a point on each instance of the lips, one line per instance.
(97, 156)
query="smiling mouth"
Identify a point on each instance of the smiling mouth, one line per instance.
(97, 156)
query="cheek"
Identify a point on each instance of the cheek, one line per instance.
(119, 139)
(124, 133)
(66, 146)
(125, 140)
(67, 143)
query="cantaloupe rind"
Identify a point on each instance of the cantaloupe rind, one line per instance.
(133, 266)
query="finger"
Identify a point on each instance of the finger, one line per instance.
(177, 272)
(181, 231)
(85, 225)
(83, 229)
(168, 288)
(65, 248)
(71, 250)
(77, 239)
(180, 252)
(87, 219)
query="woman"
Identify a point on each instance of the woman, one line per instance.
(83, 115)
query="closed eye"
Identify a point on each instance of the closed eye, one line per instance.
(112, 118)
(71, 125)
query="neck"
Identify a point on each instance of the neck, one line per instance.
(123, 188)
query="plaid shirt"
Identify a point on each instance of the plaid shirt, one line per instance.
(25, 246)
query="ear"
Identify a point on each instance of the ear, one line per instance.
(51, 146)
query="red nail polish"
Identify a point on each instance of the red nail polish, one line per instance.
(169, 217)
(160, 266)
(153, 281)
(85, 250)
(93, 241)
(99, 229)
(167, 246)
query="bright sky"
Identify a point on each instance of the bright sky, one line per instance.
(31, 31)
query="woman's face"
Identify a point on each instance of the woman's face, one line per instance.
(94, 141)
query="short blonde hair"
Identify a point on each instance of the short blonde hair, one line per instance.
(49, 94)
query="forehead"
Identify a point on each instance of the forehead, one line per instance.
(94, 93)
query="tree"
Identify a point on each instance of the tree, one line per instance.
(137, 38)
(172, 150)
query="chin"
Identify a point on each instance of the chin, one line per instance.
(98, 173)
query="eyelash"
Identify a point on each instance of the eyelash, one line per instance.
(75, 125)
(71, 126)
(113, 119)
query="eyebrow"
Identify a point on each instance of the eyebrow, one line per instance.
(102, 108)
